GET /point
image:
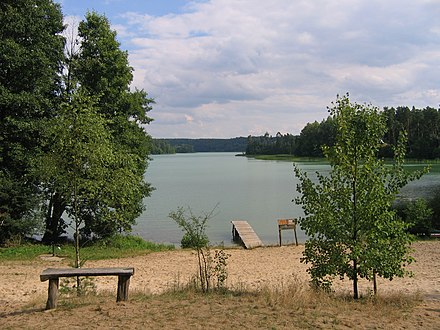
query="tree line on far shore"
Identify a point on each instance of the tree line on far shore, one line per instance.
(182, 145)
(421, 125)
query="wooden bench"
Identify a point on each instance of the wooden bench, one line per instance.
(53, 275)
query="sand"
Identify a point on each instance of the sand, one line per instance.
(252, 269)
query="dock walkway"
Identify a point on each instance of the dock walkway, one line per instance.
(241, 230)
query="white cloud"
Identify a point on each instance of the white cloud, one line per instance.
(246, 67)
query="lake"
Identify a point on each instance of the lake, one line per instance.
(239, 188)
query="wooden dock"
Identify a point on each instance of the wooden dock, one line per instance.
(242, 231)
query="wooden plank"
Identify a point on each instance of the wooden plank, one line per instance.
(53, 273)
(246, 234)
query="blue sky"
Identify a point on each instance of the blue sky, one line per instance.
(226, 68)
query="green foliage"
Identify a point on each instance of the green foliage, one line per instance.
(351, 227)
(184, 148)
(212, 271)
(237, 144)
(160, 147)
(421, 125)
(103, 71)
(219, 269)
(194, 227)
(190, 241)
(434, 205)
(418, 215)
(268, 145)
(99, 71)
(24, 251)
(314, 136)
(69, 286)
(77, 165)
(129, 242)
(118, 246)
(31, 53)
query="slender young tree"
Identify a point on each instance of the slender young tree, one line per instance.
(78, 164)
(348, 218)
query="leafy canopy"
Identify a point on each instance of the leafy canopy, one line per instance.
(31, 53)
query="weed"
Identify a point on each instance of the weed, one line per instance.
(69, 286)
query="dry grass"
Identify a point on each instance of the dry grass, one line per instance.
(289, 305)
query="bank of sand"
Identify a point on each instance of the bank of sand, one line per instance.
(267, 266)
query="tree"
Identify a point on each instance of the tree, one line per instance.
(313, 136)
(351, 226)
(103, 69)
(80, 159)
(100, 70)
(31, 53)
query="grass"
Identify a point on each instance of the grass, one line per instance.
(118, 246)
(411, 164)
(288, 306)
(291, 158)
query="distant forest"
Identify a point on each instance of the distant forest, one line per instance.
(170, 146)
(421, 125)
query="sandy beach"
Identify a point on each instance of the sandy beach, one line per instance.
(253, 269)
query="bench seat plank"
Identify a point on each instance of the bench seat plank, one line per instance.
(52, 273)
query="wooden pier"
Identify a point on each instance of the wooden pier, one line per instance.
(242, 231)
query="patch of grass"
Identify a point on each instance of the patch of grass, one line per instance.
(410, 164)
(25, 251)
(121, 246)
(290, 305)
(285, 307)
(290, 158)
(118, 246)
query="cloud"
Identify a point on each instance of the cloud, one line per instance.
(246, 67)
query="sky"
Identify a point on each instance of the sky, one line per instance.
(227, 68)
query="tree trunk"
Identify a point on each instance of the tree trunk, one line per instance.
(374, 283)
(53, 218)
(355, 280)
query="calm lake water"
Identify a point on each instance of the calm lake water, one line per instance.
(239, 188)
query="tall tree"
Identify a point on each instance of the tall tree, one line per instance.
(31, 54)
(100, 69)
(351, 227)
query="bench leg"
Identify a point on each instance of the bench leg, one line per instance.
(52, 294)
(123, 284)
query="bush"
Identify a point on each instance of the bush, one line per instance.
(212, 271)
(191, 241)
(434, 204)
(418, 215)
